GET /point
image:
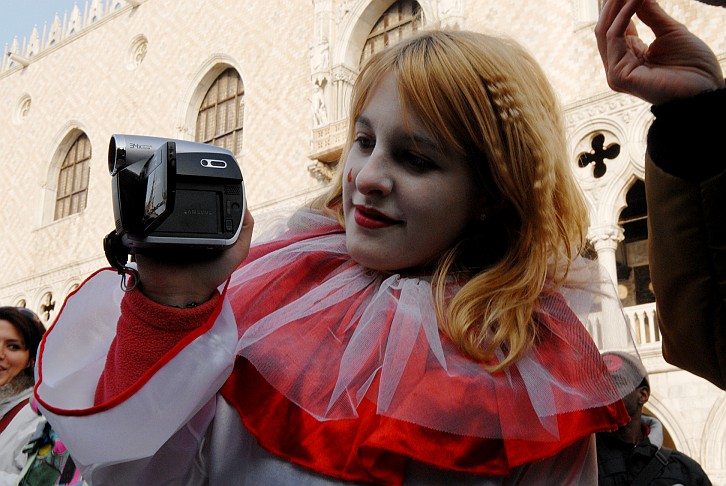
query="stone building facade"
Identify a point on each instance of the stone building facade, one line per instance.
(270, 79)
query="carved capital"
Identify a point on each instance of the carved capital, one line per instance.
(342, 73)
(606, 237)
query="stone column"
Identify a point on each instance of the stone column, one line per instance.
(605, 239)
(609, 324)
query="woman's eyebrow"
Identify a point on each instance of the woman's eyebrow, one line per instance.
(421, 140)
(15, 342)
(362, 120)
(418, 139)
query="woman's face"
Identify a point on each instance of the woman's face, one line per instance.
(405, 199)
(14, 355)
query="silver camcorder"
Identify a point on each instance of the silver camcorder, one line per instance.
(170, 194)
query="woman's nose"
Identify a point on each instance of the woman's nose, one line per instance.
(375, 175)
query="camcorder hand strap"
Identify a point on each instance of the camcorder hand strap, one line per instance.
(117, 255)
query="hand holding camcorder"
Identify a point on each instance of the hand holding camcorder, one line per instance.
(172, 194)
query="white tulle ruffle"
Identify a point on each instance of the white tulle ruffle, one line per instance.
(356, 333)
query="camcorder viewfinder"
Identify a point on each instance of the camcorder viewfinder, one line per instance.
(172, 195)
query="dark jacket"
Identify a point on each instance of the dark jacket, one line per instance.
(685, 180)
(619, 463)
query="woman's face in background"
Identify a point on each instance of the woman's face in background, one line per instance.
(14, 354)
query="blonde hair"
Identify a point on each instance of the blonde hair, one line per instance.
(487, 100)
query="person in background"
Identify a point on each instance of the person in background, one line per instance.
(20, 334)
(633, 454)
(412, 326)
(685, 175)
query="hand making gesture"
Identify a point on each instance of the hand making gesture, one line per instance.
(677, 64)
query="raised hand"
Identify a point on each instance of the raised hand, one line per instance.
(677, 64)
(179, 283)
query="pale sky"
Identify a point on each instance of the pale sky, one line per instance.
(18, 17)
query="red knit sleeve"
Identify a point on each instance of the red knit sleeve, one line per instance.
(145, 332)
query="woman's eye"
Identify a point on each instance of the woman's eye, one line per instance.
(419, 163)
(364, 142)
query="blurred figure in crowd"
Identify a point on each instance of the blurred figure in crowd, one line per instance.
(634, 453)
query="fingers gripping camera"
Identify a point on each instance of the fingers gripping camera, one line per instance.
(174, 194)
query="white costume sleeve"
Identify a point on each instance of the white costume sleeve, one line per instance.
(13, 439)
(174, 398)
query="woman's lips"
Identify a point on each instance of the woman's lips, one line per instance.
(371, 219)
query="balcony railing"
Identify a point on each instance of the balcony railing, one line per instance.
(643, 323)
(643, 326)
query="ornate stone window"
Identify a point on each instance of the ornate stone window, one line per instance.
(599, 154)
(72, 187)
(401, 20)
(221, 115)
(137, 51)
(22, 109)
(47, 306)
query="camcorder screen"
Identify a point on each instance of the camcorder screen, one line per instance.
(157, 187)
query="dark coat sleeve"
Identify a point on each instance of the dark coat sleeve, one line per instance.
(686, 194)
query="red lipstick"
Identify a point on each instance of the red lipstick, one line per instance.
(371, 219)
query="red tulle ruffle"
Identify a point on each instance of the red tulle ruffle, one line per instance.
(343, 371)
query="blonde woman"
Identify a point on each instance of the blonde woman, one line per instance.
(409, 328)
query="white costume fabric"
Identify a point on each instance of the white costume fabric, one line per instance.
(15, 436)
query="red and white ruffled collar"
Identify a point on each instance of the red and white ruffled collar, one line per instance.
(338, 344)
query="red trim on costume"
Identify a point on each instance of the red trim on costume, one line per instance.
(375, 449)
(10, 415)
(144, 378)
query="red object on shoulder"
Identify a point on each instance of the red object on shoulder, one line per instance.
(10, 415)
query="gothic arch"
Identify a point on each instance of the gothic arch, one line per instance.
(582, 136)
(671, 423)
(20, 300)
(637, 135)
(197, 88)
(335, 66)
(61, 143)
(46, 304)
(714, 453)
(67, 289)
(617, 200)
(356, 26)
